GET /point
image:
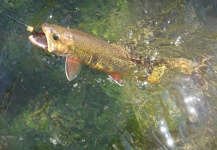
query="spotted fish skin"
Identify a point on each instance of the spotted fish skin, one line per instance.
(90, 50)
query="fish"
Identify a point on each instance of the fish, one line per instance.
(114, 59)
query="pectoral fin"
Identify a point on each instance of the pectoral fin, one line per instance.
(117, 78)
(72, 67)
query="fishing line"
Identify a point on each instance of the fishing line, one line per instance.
(29, 28)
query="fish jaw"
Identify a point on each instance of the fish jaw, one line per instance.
(39, 39)
(48, 34)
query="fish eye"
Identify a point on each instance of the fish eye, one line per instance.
(55, 37)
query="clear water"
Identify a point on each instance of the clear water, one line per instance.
(40, 109)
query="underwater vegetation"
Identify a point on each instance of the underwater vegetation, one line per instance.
(40, 109)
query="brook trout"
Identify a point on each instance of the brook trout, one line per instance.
(81, 48)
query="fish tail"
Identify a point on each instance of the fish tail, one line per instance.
(156, 68)
(186, 66)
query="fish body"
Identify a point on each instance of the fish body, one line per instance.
(81, 48)
(88, 50)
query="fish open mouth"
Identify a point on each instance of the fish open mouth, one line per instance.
(39, 39)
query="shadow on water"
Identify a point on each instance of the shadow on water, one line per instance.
(40, 109)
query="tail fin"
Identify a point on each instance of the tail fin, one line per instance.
(156, 68)
(186, 66)
(159, 66)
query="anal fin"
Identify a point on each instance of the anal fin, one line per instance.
(117, 78)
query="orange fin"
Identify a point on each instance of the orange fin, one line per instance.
(72, 67)
(117, 78)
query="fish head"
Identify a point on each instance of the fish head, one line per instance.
(55, 39)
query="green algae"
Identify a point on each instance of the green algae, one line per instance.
(91, 112)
